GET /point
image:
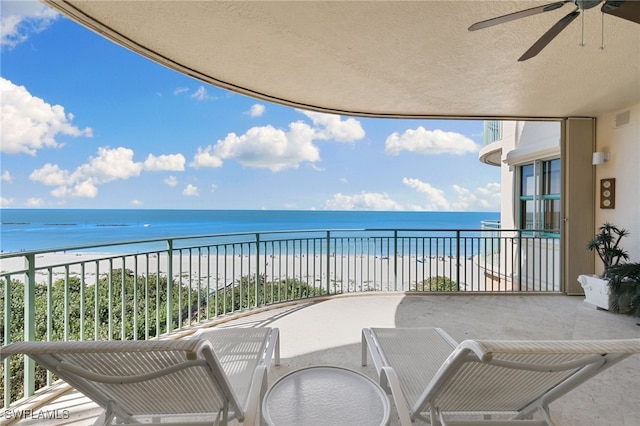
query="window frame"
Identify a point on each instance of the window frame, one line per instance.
(543, 180)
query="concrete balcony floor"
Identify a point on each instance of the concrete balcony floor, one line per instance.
(328, 332)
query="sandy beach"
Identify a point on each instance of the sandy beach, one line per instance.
(346, 273)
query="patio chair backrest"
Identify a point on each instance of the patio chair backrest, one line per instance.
(517, 376)
(160, 377)
(239, 351)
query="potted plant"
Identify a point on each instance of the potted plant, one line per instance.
(624, 286)
(606, 244)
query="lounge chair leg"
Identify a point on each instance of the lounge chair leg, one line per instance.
(364, 349)
(546, 415)
(106, 417)
(225, 413)
(103, 419)
(277, 348)
(216, 422)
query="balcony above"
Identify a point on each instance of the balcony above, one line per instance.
(491, 154)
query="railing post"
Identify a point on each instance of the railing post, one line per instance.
(96, 303)
(328, 256)
(7, 338)
(169, 287)
(135, 298)
(82, 308)
(395, 260)
(123, 304)
(257, 303)
(519, 260)
(66, 302)
(29, 322)
(458, 259)
(110, 302)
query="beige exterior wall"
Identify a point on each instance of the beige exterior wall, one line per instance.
(619, 134)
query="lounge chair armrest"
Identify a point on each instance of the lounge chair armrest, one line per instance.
(257, 392)
(369, 345)
(273, 347)
(389, 382)
(103, 378)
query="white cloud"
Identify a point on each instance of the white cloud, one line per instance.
(79, 189)
(483, 198)
(263, 147)
(201, 94)
(6, 202)
(460, 199)
(136, 203)
(362, 201)
(171, 181)
(21, 19)
(422, 141)
(190, 190)
(110, 164)
(50, 175)
(333, 127)
(6, 176)
(276, 149)
(180, 90)
(492, 189)
(256, 110)
(436, 199)
(85, 189)
(35, 202)
(29, 123)
(214, 187)
(205, 158)
(173, 162)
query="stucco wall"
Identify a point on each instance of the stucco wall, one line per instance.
(622, 141)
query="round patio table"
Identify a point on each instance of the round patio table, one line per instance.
(331, 396)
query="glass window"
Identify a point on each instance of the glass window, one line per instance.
(527, 214)
(552, 215)
(551, 178)
(528, 182)
(540, 185)
(492, 131)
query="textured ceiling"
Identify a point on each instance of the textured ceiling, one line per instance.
(383, 58)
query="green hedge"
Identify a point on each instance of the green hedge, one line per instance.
(142, 295)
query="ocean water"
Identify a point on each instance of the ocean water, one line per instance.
(35, 229)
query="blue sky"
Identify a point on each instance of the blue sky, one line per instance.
(89, 124)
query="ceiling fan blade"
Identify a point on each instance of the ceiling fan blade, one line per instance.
(629, 10)
(517, 15)
(549, 35)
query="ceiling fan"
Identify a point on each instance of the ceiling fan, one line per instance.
(629, 9)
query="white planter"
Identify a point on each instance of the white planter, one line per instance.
(596, 290)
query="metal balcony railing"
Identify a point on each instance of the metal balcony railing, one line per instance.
(150, 288)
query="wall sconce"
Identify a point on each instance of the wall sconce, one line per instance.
(599, 158)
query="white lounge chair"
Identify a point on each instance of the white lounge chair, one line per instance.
(213, 377)
(433, 378)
